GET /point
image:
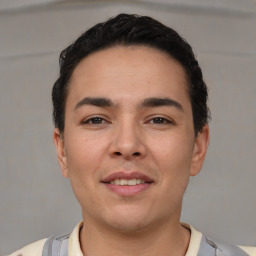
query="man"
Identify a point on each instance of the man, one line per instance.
(131, 127)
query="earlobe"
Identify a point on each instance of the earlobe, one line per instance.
(60, 148)
(200, 149)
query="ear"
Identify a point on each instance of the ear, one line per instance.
(60, 147)
(200, 149)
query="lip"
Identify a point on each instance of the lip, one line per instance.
(127, 190)
(127, 176)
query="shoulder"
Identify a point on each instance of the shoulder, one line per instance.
(34, 249)
(65, 243)
(224, 249)
(249, 250)
(202, 245)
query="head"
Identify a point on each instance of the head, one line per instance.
(127, 106)
(128, 30)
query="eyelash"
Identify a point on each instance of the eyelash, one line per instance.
(97, 120)
(161, 119)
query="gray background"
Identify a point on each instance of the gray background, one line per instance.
(36, 201)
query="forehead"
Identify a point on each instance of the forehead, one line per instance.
(123, 72)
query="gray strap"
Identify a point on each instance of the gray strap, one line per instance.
(47, 249)
(56, 246)
(229, 250)
(209, 247)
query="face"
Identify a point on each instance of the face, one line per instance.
(128, 145)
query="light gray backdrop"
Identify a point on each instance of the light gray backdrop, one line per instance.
(37, 202)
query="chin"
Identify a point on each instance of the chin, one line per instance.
(128, 220)
(130, 226)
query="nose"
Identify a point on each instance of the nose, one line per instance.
(127, 141)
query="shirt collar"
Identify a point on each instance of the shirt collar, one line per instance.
(195, 240)
(75, 248)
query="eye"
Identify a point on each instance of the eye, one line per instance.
(160, 120)
(95, 120)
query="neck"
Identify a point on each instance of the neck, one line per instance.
(163, 239)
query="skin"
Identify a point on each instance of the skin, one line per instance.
(157, 141)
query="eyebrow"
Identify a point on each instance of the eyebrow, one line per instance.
(159, 102)
(98, 102)
(147, 103)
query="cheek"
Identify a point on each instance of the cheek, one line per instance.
(84, 154)
(173, 157)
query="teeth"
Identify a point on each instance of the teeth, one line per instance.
(124, 182)
(132, 182)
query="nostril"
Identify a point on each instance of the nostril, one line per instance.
(119, 153)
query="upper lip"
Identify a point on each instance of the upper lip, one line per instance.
(127, 176)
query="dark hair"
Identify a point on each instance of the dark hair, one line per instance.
(127, 30)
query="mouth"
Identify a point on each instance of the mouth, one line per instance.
(127, 184)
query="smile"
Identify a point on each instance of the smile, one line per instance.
(129, 182)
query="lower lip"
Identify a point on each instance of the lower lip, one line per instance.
(128, 190)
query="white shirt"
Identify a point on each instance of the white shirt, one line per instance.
(74, 249)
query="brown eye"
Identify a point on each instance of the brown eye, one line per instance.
(95, 120)
(160, 120)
